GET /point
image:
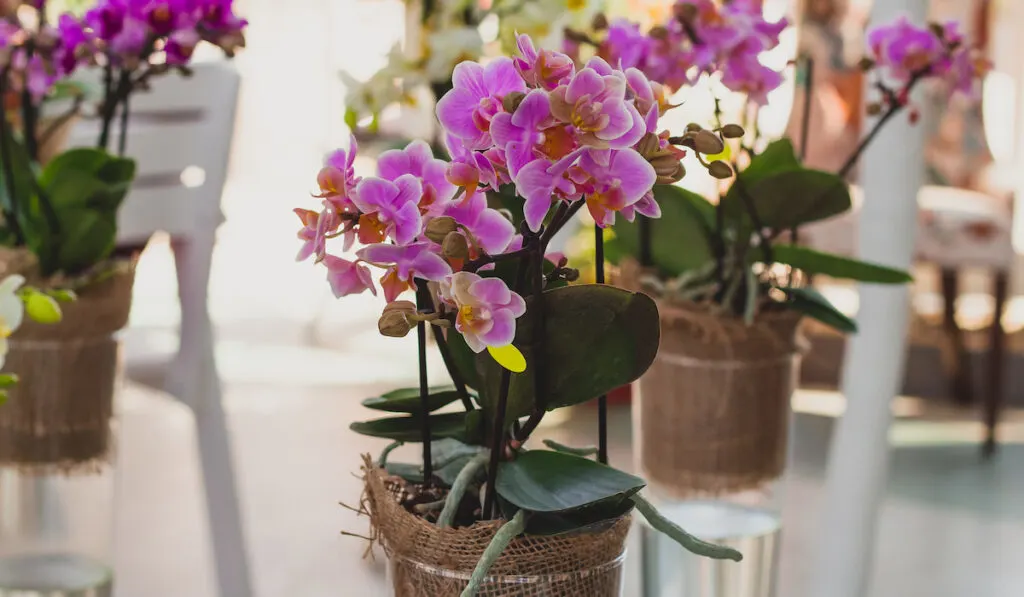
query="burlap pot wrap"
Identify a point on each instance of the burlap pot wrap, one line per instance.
(428, 561)
(713, 409)
(58, 416)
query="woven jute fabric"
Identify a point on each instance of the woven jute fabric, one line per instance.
(58, 417)
(428, 561)
(714, 407)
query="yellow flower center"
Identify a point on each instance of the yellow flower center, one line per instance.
(466, 312)
(5, 330)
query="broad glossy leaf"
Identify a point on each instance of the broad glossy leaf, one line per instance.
(87, 237)
(407, 429)
(597, 338)
(797, 197)
(679, 238)
(595, 517)
(813, 304)
(449, 457)
(816, 262)
(778, 157)
(546, 481)
(407, 400)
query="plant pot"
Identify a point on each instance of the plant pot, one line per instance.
(713, 410)
(427, 561)
(56, 471)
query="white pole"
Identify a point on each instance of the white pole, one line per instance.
(892, 171)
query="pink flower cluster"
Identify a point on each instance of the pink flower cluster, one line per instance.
(38, 58)
(703, 37)
(904, 52)
(130, 29)
(560, 135)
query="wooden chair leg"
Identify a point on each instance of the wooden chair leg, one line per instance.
(996, 364)
(956, 359)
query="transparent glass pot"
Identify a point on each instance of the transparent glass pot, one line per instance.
(408, 578)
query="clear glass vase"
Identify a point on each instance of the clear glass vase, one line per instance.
(56, 473)
(408, 578)
(712, 439)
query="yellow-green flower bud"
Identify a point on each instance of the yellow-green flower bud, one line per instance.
(42, 308)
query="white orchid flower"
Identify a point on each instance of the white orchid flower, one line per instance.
(12, 311)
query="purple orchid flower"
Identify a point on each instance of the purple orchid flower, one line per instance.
(404, 263)
(618, 181)
(393, 206)
(625, 45)
(73, 37)
(486, 310)
(520, 132)
(492, 230)
(418, 160)
(347, 277)
(902, 49)
(540, 182)
(594, 103)
(545, 69)
(466, 111)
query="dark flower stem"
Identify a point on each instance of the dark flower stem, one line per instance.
(805, 120)
(602, 402)
(423, 304)
(124, 84)
(11, 213)
(497, 443)
(106, 110)
(453, 369)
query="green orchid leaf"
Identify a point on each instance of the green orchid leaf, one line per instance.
(407, 400)
(546, 481)
(87, 237)
(449, 457)
(778, 157)
(407, 429)
(813, 304)
(816, 262)
(593, 518)
(791, 198)
(680, 238)
(597, 338)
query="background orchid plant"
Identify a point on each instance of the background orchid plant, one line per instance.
(724, 253)
(517, 341)
(64, 211)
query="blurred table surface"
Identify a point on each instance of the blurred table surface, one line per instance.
(949, 527)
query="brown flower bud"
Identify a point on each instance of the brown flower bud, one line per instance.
(394, 321)
(874, 109)
(720, 169)
(658, 32)
(600, 22)
(439, 228)
(649, 145)
(708, 143)
(571, 274)
(733, 131)
(668, 168)
(693, 127)
(455, 246)
(512, 100)
(866, 64)
(685, 12)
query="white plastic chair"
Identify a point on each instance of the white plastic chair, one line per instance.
(180, 136)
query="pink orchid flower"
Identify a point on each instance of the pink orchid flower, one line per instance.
(390, 209)
(521, 132)
(540, 182)
(492, 230)
(467, 110)
(307, 234)
(418, 160)
(347, 277)
(594, 103)
(403, 263)
(486, 310)
(618, 181)
(545, 69)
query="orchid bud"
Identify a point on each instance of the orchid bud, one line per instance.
(693, 127)
(658, 32)
(866, 64)
(8, 379)
(874, 109)
(685, 12)
(63, 295)
(668, 168)
(512, 100)
(720, 169)
(733, 131)
(440, 227)
(600, 22)
(649, 145)
(42, 308)
(571, 274)
(708, 143)
(394, 321)
(455, 246)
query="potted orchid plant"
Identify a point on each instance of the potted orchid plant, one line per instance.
(486, 509)
(59, 228)
(730, 275)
